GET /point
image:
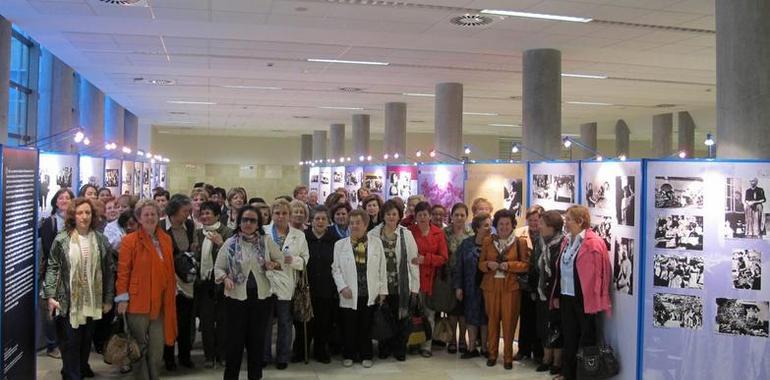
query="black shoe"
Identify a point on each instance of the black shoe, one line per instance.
(87, 372)
(491, 362)
(543, 367)
(400, 358)
(281, 366)
(555, 370)
(463, 349)
(451, 348)
(297, 358)
(383, 355)
(187, 363)
(485, 353)
(520, 357)
(438, 343)
(324, 359)
(170, 366)
(508, 365)
(470, 354)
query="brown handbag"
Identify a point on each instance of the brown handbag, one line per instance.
(121, 349)
(301, 304)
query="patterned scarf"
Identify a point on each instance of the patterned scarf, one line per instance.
(544, 263)
(85, 280)
(207, 259)
(235, 256)
(359, 249)
(502, 245)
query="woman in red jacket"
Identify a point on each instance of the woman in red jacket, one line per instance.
(432, 254)
(581, 286)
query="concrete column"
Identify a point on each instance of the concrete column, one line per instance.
(56, 96)
(361, 135)
(662, 134)
(305, 155)
(622, 139)
(319, 145)
(394, 140)
(336, 141)
(541, 85)
(743, 80)
(114, 122)
(588, 138)
(130, 129)
(5, 76)
(92, 112)
(448, 132)
(686, 134)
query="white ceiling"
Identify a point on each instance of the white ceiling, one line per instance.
(205, 45)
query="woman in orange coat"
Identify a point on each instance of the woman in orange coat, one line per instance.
(503, 258)
(146, 288)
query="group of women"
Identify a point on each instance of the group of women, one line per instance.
(234, 263)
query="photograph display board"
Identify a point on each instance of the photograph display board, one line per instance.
(338, 177)
(442, 184)
(401, 181)
(553, 185)
(325, 184)
(92, 171)
(374, 179)
(18, 261)
(55, 171)
(146, 180)
(706, 301)
(127, 182)
(610, 192)
(353, 180)
(315, 178)
(504, 185)
(112, 170)
(155, 182)
(138, 168)
(163, 176)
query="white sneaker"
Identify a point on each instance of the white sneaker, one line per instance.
(347, 363)
(367, 363)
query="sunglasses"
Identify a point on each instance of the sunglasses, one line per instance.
(249, 220)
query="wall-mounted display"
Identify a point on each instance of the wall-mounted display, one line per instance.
(338, 178)
(163, 176)
(747, 269)
(324, 183)
(442, 184)
(553, 185)
(56, 171)
(678, 271)
(91, 171)
(374, 179)
(112, 168)
(401, 181)
(741, 317)
(678, 192)
(504, 185)
(745, 216)
(137, 181)
(127, 182)
(353, 181)
(315, 181)
(146, 180)
(677, 311)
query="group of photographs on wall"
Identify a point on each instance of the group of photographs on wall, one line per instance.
(556, 188)
(681, 261)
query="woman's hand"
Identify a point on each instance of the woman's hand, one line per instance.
(53, 305)
(382, 298)
(288, 259)
(492, 265)
(122, 307)
(216, 238)
(418, 260)
(504, 266)
(459, 294)
(229, 284)
(106, 307)
(346, 293)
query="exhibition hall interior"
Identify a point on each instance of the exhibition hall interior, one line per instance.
(339, 189)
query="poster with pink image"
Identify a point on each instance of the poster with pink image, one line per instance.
(442, 184)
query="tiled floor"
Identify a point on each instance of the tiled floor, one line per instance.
(441, 366)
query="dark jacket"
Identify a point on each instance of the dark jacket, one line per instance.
(57, 272)
(189, 228)
(223, 230)
(47, 233)
(319, 266)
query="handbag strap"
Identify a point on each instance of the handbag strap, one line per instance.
(125, 324)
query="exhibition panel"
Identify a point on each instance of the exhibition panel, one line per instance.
(338, 177)
(315, 177)
(137, 180)
(325, 182)
(56, 171)
(706, 244)
(401, 181)
(502, 184)
(442, 184)
(353, 178)
(552, 184)
(112, 169)
(91, 171)
(374, 179)
(127, 184)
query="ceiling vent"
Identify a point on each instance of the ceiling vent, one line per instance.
(126, 3)
(471, 20)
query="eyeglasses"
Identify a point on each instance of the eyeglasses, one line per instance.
(249, 220)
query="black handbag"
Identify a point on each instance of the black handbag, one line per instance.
(597, 362)
(418, 325)
(383, 325)
(186, 267)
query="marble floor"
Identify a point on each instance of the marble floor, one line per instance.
(441, 366)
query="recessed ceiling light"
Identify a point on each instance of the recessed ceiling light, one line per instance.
(341, 108)
(540, 16)
(586, 76)
(189, 102)
(504, 125)
(253, 87)
(591, 103)
(418, 94)
(322, 60)
(481, 113)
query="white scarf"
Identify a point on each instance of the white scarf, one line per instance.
(502, 248)
(207, 261)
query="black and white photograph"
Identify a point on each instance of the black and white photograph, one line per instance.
(64, 177)
(747, 269)
(598, 193)
(744, 212)
(678, 271)
(325, 178)
(557, 188)
(679, 232)
(512, 196)
(677, 311)
(603, 228)
(625, 200)
(623, 264)
(373, 182)
(314, 178)
(351, 179)
(742, 317)
(678, 192)
(338, 174)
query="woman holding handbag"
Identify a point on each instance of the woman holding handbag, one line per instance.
(209, 295)
(503, 257)
(403, 276)
(581, 286)
(241, 265)
(456, 232)
(361, 278)
(79, 285)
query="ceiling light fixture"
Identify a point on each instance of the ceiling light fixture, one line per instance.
(467, 149)
(504, 125)
(395, 155)
(189, 102)
(126, 150)
(481, 113)
(79, 136)
(585, 76)
(341, 108)
(86, 141)
(540, 16)
(421, 94)
(372, 63)
(590, 103)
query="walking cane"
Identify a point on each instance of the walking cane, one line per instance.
(305, 340)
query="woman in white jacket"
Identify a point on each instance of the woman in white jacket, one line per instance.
(294, 247)
(403, 277)
(361, 278)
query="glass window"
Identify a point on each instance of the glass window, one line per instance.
(19, 61)
(19, 89)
